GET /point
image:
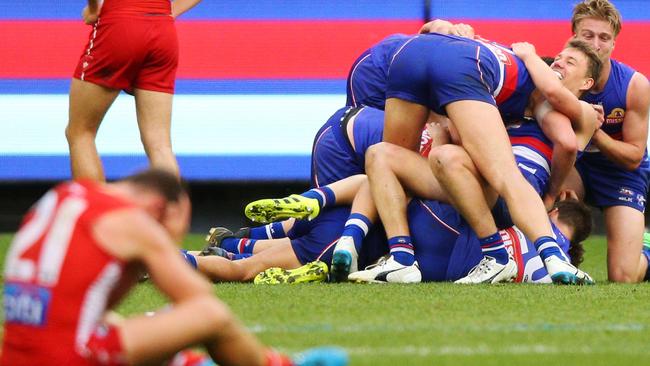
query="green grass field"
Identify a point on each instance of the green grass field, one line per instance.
(444, 324)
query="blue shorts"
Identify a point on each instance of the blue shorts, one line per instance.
(445, 248)
(500, 210)
(366, 85)
(434, 70)
(316, 239)
(332, 157)
(607, 186)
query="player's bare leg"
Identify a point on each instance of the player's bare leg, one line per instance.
(485, 139)
(154, 111)
(88, 106)
(204, 320)
(280, 254)
(403, 124)
(625, 227)
(466, 189)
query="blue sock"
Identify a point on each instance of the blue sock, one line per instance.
(273, 230)
(237, 257)
(357, 227)
(646, 253)
(238, 246)
(547, 246)
(324, 195)
(402, 250)
(189, 258)
(493, 246)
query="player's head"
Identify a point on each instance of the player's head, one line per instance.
(578, 65)
(164, 197)
(574, 219)
(597, 22)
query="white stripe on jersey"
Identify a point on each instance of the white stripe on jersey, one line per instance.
(94, 304)
(532, 155)
(495, 50)
(354, 98)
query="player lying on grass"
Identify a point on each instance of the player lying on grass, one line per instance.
(446, 248)
(79, 251)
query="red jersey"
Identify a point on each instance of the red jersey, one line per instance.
(58, 280)
(129, 7)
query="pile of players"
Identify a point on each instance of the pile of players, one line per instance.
(456, 159)
(460, 159)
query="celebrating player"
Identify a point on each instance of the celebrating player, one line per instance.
(614, 172)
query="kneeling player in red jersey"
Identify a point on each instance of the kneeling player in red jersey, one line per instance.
(79, 251)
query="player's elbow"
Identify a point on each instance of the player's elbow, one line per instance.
(568, 145)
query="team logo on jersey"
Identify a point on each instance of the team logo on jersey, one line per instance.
(617, 115)
(640, 199)
(626, 192)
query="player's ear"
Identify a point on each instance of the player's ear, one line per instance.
(587, 84)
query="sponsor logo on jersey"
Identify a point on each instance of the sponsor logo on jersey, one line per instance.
(626, 192)
(616, 116)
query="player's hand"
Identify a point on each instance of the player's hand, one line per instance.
(90, 15)
(523, 50)
(600, 112)
(176, 218)
(437, 26)
(463, 30)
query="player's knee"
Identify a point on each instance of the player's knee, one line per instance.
(213, 312)
(622, 274)
(378, 156)
(446, 158)
(75, 134)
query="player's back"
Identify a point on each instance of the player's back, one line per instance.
(57, 279)
(133, 7)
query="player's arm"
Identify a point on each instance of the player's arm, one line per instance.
(133, 236)
(557, 128)
(547, 82)
(181, 6)
(91, 11)
(629, 152)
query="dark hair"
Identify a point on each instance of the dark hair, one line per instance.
(160, 181)
(595, 65)
(548, 59)
(578, 216)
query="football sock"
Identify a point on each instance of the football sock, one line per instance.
(646, 253)
(237, 257)
(189, 258)
(274, 358)
(547, 246)
(238, 246)
(493, 246)
(324, 195)
(402, 250)
(273, 230)
(357, 227)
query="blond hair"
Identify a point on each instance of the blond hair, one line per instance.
(599, 9)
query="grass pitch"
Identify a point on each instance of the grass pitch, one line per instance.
(442, 323)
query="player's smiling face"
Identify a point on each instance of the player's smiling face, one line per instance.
(571, 66)
(598, 34)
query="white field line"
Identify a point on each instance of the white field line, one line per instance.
(445, 329)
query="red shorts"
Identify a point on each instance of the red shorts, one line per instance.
(104, 347)
(131, 52)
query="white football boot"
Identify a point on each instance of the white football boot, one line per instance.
(489, 271)
(388, 270)
(344, 260)
(564, 273)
